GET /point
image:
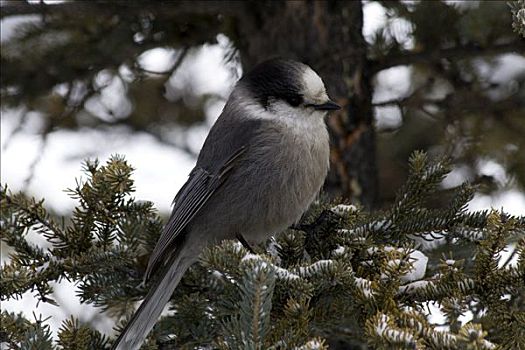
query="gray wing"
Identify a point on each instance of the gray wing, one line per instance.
(189, 200)
(227, 141)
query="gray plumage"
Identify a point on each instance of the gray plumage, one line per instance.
(261, 166)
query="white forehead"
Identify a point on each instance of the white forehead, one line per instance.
(313, 85)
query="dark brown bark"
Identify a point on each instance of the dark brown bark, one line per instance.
(317, 32)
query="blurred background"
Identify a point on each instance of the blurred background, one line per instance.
(86, 79)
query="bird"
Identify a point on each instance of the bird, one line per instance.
(262, 164)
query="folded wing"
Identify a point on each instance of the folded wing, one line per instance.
(199, 188)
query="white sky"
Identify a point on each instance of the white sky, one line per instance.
(160, 169)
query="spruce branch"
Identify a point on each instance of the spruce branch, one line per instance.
(341, 273)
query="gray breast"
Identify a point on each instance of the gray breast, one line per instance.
(270, 187)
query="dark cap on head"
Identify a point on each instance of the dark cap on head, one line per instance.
(276, 78)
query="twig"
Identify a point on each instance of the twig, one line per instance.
(410, 57)
(48, 129)
(16, 129)
(509, 259)
(37, 159)
(168, 72)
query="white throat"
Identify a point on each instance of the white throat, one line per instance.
(304, 122)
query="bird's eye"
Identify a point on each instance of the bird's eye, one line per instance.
(294, 100)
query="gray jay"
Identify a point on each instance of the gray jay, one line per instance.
(261, 166)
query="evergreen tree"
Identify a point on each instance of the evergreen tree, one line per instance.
(345, 276)
(342, 274)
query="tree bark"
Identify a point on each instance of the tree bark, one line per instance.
(320, 33)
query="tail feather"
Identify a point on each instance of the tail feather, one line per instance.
(149, 311)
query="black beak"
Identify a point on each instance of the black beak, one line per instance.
(327, 106)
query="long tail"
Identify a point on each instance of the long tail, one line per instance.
(149, 311)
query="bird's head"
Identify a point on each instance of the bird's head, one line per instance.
(288, 87)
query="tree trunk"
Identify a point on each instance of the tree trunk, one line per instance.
(327, 35)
